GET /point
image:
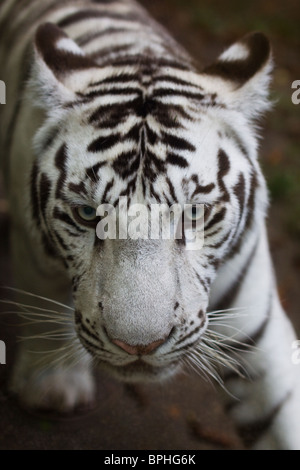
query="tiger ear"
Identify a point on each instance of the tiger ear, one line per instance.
(242, 74)
(59, 66)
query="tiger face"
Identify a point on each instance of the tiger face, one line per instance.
(144, 134)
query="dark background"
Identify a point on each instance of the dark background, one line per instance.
(185, 413)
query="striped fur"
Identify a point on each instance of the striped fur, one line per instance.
(101, 104)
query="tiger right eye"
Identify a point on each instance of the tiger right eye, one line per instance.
(86, 215)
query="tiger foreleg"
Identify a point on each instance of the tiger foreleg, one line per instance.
(51, 370)
(266, 397)
(264, 393)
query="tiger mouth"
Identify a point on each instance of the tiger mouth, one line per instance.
(140, 371)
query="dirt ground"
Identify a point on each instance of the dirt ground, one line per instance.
(186, 412)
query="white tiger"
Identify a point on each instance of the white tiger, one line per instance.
(103, 104)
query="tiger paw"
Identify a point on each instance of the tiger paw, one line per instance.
(62, 390)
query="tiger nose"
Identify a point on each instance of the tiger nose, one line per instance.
(139, 349)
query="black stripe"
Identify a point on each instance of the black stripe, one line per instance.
(108, 187)
(250, 208)
(118, 91)
(229, 298)
(162, 92)
(45, 188)
(106, 51)
(232, 134)
(202, 282)
(72, 234)
(178, 143)
(221, 242)
(48, 140)
(193, 332)
(239, 191)
(92, 172)
(218, 217)
(64, 217)
(152, 137)
(177, 160)
(60, 163)
(168, 117)
(200, 189)
(254, 338)
(120, 78)
(167, 114)
(110, 116)
(251, 200)
(134, 134)
(251, 432)
(60, 240)
(91, 347)
(126, 162)
(143, 60)
(101, 144)
(85, 38)
(172, 190)
(224, 167)
(176, 80)
(78, 188)
(34, 194)
(153, 166)
(251, 339)
(90, 334)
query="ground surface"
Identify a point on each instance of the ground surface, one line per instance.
(186, 413)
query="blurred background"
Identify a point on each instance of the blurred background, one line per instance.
(186, 412)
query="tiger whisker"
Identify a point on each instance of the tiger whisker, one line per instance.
(45, 319)
(228, 310)
(205, 368)
(49, 336)
(197, 368)
(60, 356)
(50, 351)
(230, 342)
(221, 358)
(21, 291)
(24, 310)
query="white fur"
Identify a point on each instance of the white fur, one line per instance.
(138, 283)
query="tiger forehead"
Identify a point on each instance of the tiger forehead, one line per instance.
(100, 183)
(145, 107)
(158, 164)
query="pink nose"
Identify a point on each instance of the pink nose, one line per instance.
(139, 349)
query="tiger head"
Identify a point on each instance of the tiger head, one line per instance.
(148, 132)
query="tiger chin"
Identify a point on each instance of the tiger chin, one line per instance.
(105, 109)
